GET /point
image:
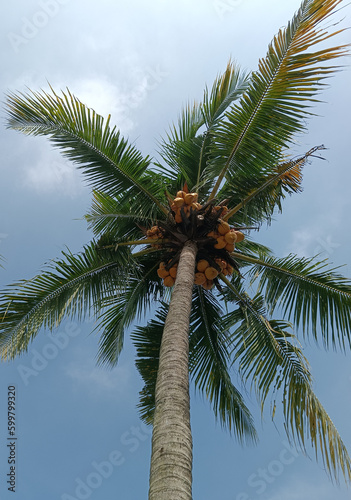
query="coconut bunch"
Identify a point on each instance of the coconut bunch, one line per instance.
(207, 272)
(183, 203)
(201, 223)
(155, 233)
(205, 275)
(225, 236)
(167, 273)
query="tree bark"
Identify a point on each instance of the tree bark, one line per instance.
(171, 456)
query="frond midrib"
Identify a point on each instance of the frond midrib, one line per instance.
(307, 279)
(255, 111)
(60, 290)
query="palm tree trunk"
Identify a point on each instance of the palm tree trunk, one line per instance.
(171, 457)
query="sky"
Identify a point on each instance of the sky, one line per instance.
(78, 432)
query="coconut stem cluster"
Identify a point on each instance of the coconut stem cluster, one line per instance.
(202, 223)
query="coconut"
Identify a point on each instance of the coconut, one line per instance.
(190, 198)
(202, 265)
(178, 202)
(225, 210)
(221, 243)
(173, 271)
(223, 227)
(208, 284)
(230, 247)
(168, 281)
(239, 236)
(162, 272)
(181, 194)
(230, 237)
(211, 273)
(200, 278)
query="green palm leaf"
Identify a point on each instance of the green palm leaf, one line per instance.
(186, 150)
(315, 297)
(72, 286)
(226, 89)
(147, 341)
(256, 199)
(121, 309)
(209, 366)
(268, 355)
(110, 164)
(254, 132)
(118, 216)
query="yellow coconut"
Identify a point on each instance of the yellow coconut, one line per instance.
(223, 227)
(230, 247)
(208, 284)
(200, 278)
(168, 281)
(162, 273)
(190, 198)
(173, 271)
(225, 210)
(239, 236)
(221, 243)
(211, 273)
(202, 265)
(230, 237)
(181, 194)
(178, 202)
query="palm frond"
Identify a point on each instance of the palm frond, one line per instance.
(314, 296)
(121, 309)
(72, 286)
(147, 341)
(226, 89)
(250, 247)
(275, 107)
(118, 216)
(260, 197)
(108, 161)
(209, 366)
(268, 355)
(186, 147)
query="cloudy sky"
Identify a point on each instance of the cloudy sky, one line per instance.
(79, 434)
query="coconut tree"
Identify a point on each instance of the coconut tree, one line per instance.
(175, 233)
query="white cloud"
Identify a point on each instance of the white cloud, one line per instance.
(297, 490)
(99, 380)
(53, 174)
(318, 236)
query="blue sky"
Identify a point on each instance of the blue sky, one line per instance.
(79, 434)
